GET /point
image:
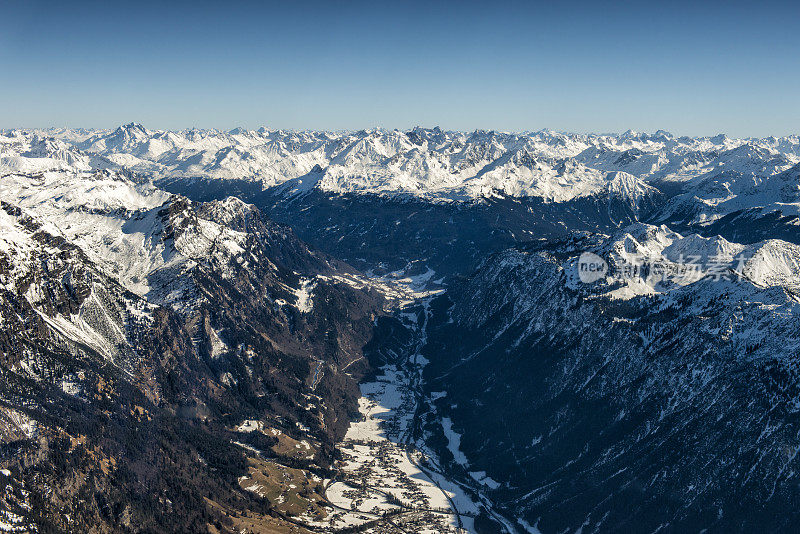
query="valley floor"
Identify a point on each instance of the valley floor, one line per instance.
(390, 481)
(385, 480)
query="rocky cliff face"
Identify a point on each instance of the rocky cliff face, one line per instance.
(141, 332)
(646, 399)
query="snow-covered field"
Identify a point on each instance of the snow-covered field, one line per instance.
(381, 473)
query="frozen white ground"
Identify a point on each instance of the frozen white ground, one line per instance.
(381, 473)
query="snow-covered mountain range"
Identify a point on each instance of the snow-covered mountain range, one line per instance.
(189, 291)
(713, 174)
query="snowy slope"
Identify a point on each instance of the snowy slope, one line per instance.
(129, 312)
(636, 402)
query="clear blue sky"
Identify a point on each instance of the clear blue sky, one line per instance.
(686, 67)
